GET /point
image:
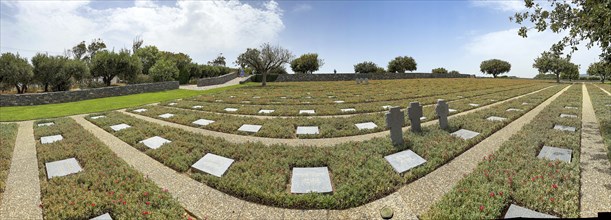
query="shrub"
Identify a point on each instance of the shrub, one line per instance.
(163, 70)
(439, 71)
(366, 67)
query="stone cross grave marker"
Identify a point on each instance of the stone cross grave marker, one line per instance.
(394, 121)
(414, 112)
(442, 109)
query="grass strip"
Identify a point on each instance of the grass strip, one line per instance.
(8, 133)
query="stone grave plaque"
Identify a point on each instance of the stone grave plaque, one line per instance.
(493, 100)
(51, 139)
(422, 118)
(366, 125)
(452, 110)
(307, 112)
(218, 100)
(496, 118)
(283, 97)
(246, 102)
(172, 103)
(233, 96)
(568, 116)
(197, 106)
(460, 96)
(570, 107)
(386, 107)
(348, 110)
(465, 134)
(564, 128)
(62, 168)
(213, 164)
(140, 110)
(166, 115)
(154, 142)
(203, 122)
(45, 124)
(105, 216)
(516, 211)
(331, 96)
(119, 127)
(524, 103)
(97, 117)
(256, 97)
(339, 102)
(513, 110)
(554, 153)
(474, 105)
(310, 179)
(308, 97)
(266, 111)
(404, 160)
(307, 130)
(231, 109)
(250, 128)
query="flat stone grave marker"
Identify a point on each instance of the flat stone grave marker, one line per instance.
(386, 107)
(465, 134)
(564, 128)
(474, 105)
(172, 103)
(525, 103)
(493, 100)
(348, 110)
(460, 96)
(305, 102)
(232, 96)
(404, 160)
(331, 96)
(422, 118)
(366, 125)
(62, 168)
(246, 102)
(45, 124)
(97, 117)
(105, 216)
(197, 106)
(570, 107)
(516, 211)
(51, 139)
(155, 142)
(568, 116)
(266, 111)
(307, 112)
(283, 97)
(119, 127)
(166, 115)
(452, 110)
(513, 110)
(218, 100)
(308, 97)
(339, 101)
(554, 153)
(307, 130)
(231, 109)
(213, 164)
(310, 179)
(496, 118)
(203, 122)
(140, 110)
(256, 97)
(250, 128)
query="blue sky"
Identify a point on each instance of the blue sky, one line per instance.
(456, 35)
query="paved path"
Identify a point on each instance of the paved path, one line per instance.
(595, 167)
(22, 194)
(418, 194)
(321, 142)
(232, 82)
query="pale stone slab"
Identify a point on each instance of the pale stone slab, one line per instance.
(516, 211)
(564, 128)
(231, 109)
(311, 179)
(45, 124)
(51, 139)
(554, 153)
(513, 110)
(568, 116)
(256, 97)
(493, 100)
(474, 105)
(570, 107)
(155, 142)
(366, 125)
(331, 96)
(140, 110)
(404, 160)
(422, 118)
(339, 101)
(197, 106)
(266, 111)
(62, 168)
(460, 96)
(105, 216)
(119, 127)
(386, 107)
(98, 117)
(452, 110)
(307, 112)
(307, 130)
(172, 103)
(246, 102)
(348, 110)
(218, 100)
(250, 128)
(283, 97)
(496, 118)
(203, 122)
(213, 164)
(465, 134)
(166, 115)
(525, 103)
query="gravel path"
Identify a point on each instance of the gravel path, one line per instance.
(321, 142)
(22, 195)
(232, 82)
(595, 167)
(419, 195)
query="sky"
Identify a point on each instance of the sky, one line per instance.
(453, 34)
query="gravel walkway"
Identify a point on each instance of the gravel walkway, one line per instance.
(232, 82)
(595, 167)
(419, 195)
(22, 195)
(321, 142)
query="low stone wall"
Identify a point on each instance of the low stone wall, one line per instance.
(371, 76)
(216, 80)
(78, 95)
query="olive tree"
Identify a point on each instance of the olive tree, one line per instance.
(570, 72)
(366, 67)
(164, 70)
(601, 69)
(148, 55)
(439, 70)
(16, 71)
(264, 60)
(108, 65)
(307, 63)
(401, 64)
(48, 69)
(495, 67)
(550, 62)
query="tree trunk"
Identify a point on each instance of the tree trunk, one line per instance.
(558, 78)
(18, 89)
(602, 79)
(494, 75)
(46, 87)
(107, 80)
(24, 88)
(264, 80)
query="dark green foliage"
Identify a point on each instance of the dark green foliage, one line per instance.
(401, 64)
(366, 67)
(307, 63)
(495, 67)
(148, 56)
(439, 70)
(15, 71)
(164, 70)
(552, 63)
(601, 69)
(108, 64)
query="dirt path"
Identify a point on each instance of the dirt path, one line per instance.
(232, 82)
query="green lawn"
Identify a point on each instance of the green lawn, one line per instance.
(22, 113)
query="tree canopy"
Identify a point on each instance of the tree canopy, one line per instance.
(366, 67)
(307, 63)
(439, 70)
(264, 60)
(164, 70)
(401, 64)
(148, 55)
(15, 71)
(550, 62)
(218, 61)
(495, 67)
(108, 64)
(570, 72)
(601, 69)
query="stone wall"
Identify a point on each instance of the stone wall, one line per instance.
(78, 95)
(371, 76)
(216, 80)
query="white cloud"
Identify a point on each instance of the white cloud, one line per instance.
(303, 7)
(201, 29)
(502, 5)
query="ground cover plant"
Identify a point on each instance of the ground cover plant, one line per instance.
(602, 107)
(359, 173)
(20, 113)
(106, 185)
(328, 127)
(8, 133)
(514, 174)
